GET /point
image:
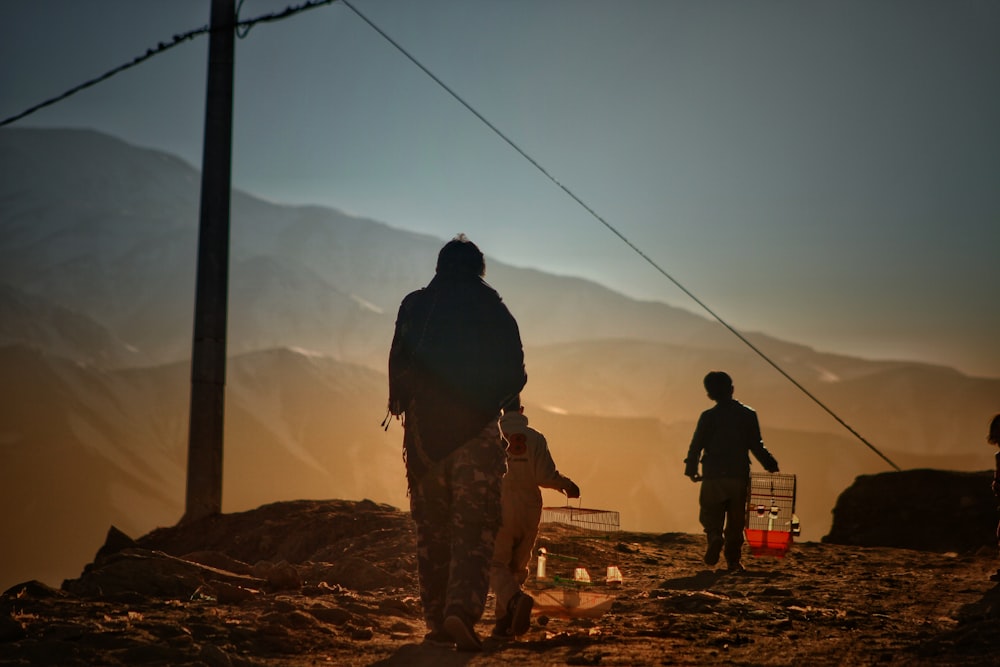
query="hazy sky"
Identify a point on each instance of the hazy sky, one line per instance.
(826, 172)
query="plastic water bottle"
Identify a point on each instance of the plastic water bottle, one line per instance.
(540, 570)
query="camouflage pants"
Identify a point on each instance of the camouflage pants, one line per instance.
(456, 508)
(724, 503)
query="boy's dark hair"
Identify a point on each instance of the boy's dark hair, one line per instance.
(718, 385)
(460, 256)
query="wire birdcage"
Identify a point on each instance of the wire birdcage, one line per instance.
(574, 558)
(604, 521)
(771, 523)
(576, 565)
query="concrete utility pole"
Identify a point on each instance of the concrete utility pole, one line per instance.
(208, 355)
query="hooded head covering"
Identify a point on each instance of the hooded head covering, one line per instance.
(514, 422)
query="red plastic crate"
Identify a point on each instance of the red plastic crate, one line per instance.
(769, 542)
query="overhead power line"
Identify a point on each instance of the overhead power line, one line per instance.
(242, 28)
(160, 48)
(615, 231)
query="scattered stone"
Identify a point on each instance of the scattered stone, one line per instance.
(114, 542)
(32, 589)
(332, 615)
(214, 656)
(280, 576)
(11, 629)
(227, 593)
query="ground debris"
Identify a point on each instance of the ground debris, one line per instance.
(283, 596)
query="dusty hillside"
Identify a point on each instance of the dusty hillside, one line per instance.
(332, 582)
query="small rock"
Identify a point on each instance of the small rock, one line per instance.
(332, 615)
(214, 656)
(11, 629)
(231, 594)
(114, 542)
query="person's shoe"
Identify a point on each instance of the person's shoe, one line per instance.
(464, 635)
(502, 628)
(520, 613)
(713, 551)
(439, 639)
(735, 566)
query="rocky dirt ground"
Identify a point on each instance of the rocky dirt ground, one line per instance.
(333, 583)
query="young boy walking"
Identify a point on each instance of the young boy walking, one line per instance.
(725, 437)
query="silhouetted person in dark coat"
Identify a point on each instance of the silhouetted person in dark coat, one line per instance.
(725, 436)
(456, 359)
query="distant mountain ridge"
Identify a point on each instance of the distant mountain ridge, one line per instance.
(96, 227)
(123, 222)
(96, 299)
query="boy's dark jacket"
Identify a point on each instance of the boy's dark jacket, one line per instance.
(725, 436)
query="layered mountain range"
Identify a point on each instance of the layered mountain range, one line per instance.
(97, 271)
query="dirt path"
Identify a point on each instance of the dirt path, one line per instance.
(823, 604)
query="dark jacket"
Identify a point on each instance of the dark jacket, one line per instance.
(722, 441)
(456, 359)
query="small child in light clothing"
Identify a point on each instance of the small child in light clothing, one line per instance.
(529, 466)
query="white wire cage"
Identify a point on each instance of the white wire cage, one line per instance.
(771, 522)
(604, 521)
